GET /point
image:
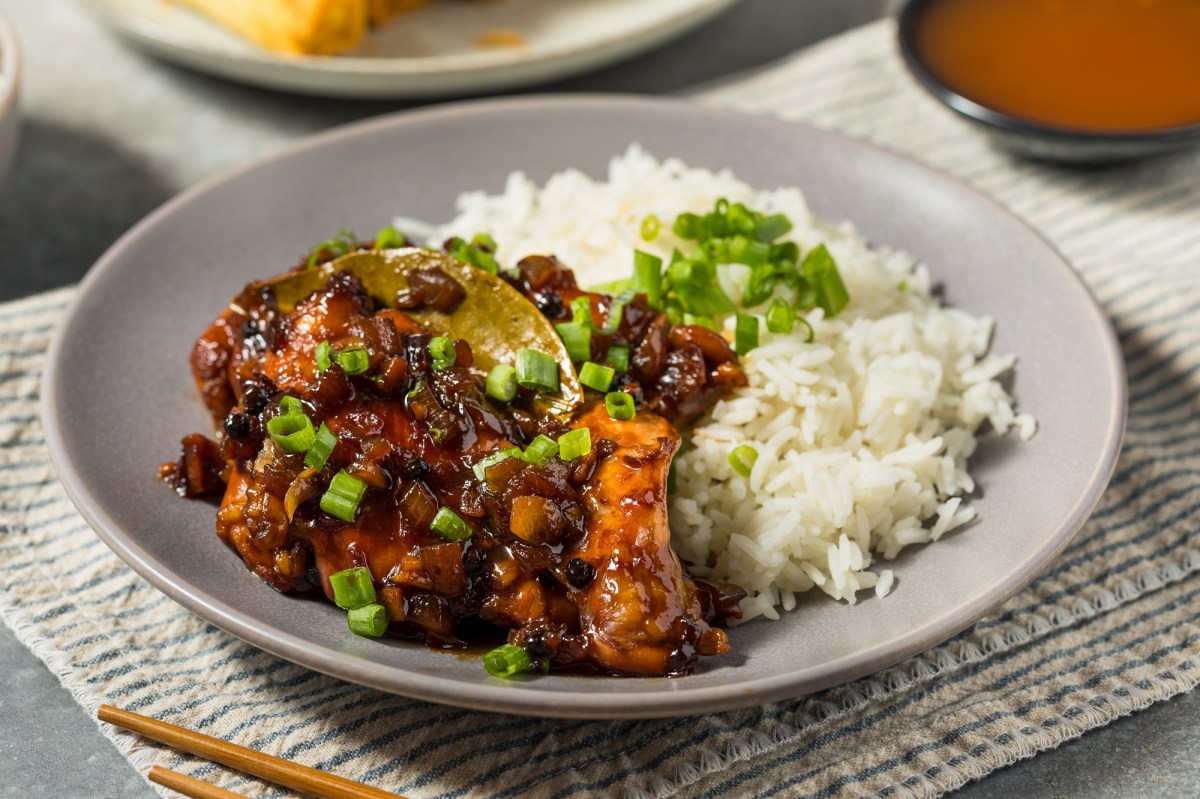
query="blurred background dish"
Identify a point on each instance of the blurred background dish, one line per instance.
(442, 48)
(1063, 80)
(10, 82)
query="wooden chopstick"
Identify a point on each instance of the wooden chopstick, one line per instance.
(189, 786)
(268, 767)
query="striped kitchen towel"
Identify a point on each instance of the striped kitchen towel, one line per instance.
(1111, 627)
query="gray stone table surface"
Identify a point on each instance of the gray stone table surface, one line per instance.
(109, 134)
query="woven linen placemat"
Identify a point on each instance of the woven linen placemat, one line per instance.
(1108, 629)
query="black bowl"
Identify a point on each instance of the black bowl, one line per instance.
(1026, 137)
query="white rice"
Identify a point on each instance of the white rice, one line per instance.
(863, 435)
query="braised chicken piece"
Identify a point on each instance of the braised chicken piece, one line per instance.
(461, 517)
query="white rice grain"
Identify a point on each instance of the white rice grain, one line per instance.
(863, 435)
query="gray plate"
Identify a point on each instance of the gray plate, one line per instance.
(118, 393)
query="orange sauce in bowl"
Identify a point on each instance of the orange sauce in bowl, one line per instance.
(1119, 66)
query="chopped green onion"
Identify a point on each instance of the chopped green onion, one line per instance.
(650, 226)
(811, 333)
(687, 272)
(370, 621)
(442, 352)
(822, 272)
(321, 449)
(616, 311)
(354, 361)
(707, 300)
(742, 459)
(577, 338)
(537, 370)
(484, 240)
(389, 238)
(593, 375)
(289, 404)
(618, 357)
(770, 228)
(745, 336)
(322, 356)
(745, 251)
(788, 251)
(540, 450)
(613, 286)
(449, 525)
(506, 661)
(581, 311)
(781, 317)
(702, 321)
(619, 405)
(502, 382)
(352, 588)
(473, 255)
(647, 277)
(481, 468)
(342, 497)
(688, 226)
(575, 444)
(343, 242)
(293, 431)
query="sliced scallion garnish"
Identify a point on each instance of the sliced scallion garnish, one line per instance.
(575, 444)
(506, 661)
(577, 338)
(442, 353)
(292, 432)
(620, 406)
(742, 459)
(647, 277)
(650, 227)
(537, 370)
(321, 449)
(343, 496)
(618, 357)
(745, 336)
(482, 466)
(343, 242)
(540, 450)
(819, 269)
(289, 404)
(616, 311)
(450, 526)
(369, 621)
(581, 312)
(593, 375)
(352, 588)
(781, 317)
(323, 356)
(502, 382)
(354, 360)
(388, 238)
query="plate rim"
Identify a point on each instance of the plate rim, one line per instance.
(460, 64)
(492, 697)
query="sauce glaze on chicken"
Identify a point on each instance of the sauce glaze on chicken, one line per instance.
(571, 558)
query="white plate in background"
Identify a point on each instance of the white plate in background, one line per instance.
(429, 52)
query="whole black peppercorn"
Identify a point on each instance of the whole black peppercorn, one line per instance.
(237, 425)
(580, 573)
(550, 304)
(415, 469)
(256, 393)
(536, 645)
(474, 560)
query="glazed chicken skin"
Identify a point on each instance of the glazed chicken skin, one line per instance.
(571, 559)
